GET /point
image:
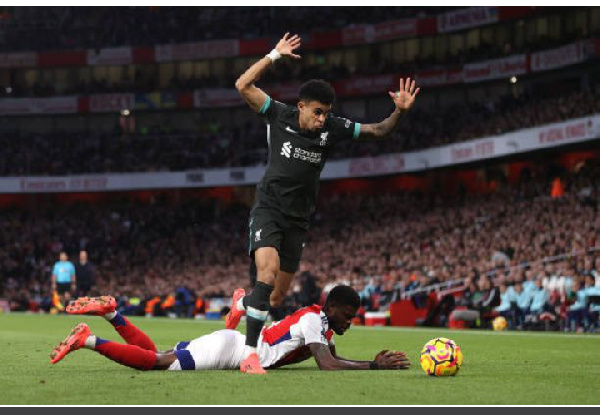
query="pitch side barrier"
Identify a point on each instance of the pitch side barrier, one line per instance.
(553, 135)
(450, 287)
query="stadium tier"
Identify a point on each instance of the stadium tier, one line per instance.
(163, 248)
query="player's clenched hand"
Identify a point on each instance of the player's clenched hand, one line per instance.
(287, 45)
(405, 97)
(391, 360)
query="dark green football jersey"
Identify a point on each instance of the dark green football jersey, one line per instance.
(296, 158)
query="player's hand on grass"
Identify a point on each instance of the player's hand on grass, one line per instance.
(392, 360)
(405, 97)
(287, 45)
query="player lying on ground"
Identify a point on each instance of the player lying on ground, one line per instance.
(308, 331)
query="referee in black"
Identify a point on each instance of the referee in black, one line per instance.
(299, 139)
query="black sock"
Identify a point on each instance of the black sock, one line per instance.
(257, 306)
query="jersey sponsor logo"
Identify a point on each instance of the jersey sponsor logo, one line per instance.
(310, 156)
(286, 150)
(348, 122)
(300, 153)
(323, 142)
(257, 235)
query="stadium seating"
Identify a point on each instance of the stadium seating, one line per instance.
(405, 241)
(215, 144)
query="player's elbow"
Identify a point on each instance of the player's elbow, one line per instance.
(241, 85)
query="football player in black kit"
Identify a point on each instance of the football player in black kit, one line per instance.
(299, 138)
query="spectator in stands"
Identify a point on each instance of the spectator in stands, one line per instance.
(308, 292)
(522, 303)
(486, 298)
(184, 302)
(593, 298)
(506, 307)
(577, 317)
(539, 299)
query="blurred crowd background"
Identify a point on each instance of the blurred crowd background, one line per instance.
(524, 247)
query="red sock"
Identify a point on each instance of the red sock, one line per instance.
(131, 334)
(126, 354)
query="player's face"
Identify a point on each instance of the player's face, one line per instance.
(340, 318)
(313, 115)
(63, 257)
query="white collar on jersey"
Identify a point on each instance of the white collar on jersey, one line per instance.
(324, 320)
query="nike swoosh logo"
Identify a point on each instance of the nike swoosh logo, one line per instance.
(289, 130)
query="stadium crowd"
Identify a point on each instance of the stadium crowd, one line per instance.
(96, 27)
(213, 144)
(286, 72)
(161, 257)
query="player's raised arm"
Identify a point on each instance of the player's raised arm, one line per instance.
(403, 100)
(385, 360)
(254, 96)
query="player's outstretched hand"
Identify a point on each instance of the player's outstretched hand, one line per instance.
(287, 45)
(392, 360)
(405, 97)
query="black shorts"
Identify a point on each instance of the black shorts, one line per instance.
(83, 289)
(63, 287)
(269, 228)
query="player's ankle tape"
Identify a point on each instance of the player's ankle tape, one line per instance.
(252, 312)
(258, 300)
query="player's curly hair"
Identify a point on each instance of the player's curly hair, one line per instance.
(343, 295)
(317, 90)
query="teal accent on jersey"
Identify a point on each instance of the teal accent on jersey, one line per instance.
(356, 130)
(63, 271)
(265, 106)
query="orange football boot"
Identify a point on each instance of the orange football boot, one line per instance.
(92, 306)
(251, 365)
(232, 319)
(74, 341)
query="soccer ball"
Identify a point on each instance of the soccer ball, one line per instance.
(499, 323)
(441, 357)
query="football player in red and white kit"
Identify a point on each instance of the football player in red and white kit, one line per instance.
(307, 332)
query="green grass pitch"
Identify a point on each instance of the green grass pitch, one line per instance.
(499, 368)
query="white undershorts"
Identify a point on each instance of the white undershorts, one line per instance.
(223, 349)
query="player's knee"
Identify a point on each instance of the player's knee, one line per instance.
(164, 360)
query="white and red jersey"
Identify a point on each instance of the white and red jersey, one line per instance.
(286, 342)
(282, 343)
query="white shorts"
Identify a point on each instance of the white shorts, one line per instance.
(223, 349)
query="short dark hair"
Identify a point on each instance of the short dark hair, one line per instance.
(317, 90)
(343, 295)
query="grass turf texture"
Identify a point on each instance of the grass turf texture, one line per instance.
(499, 368)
